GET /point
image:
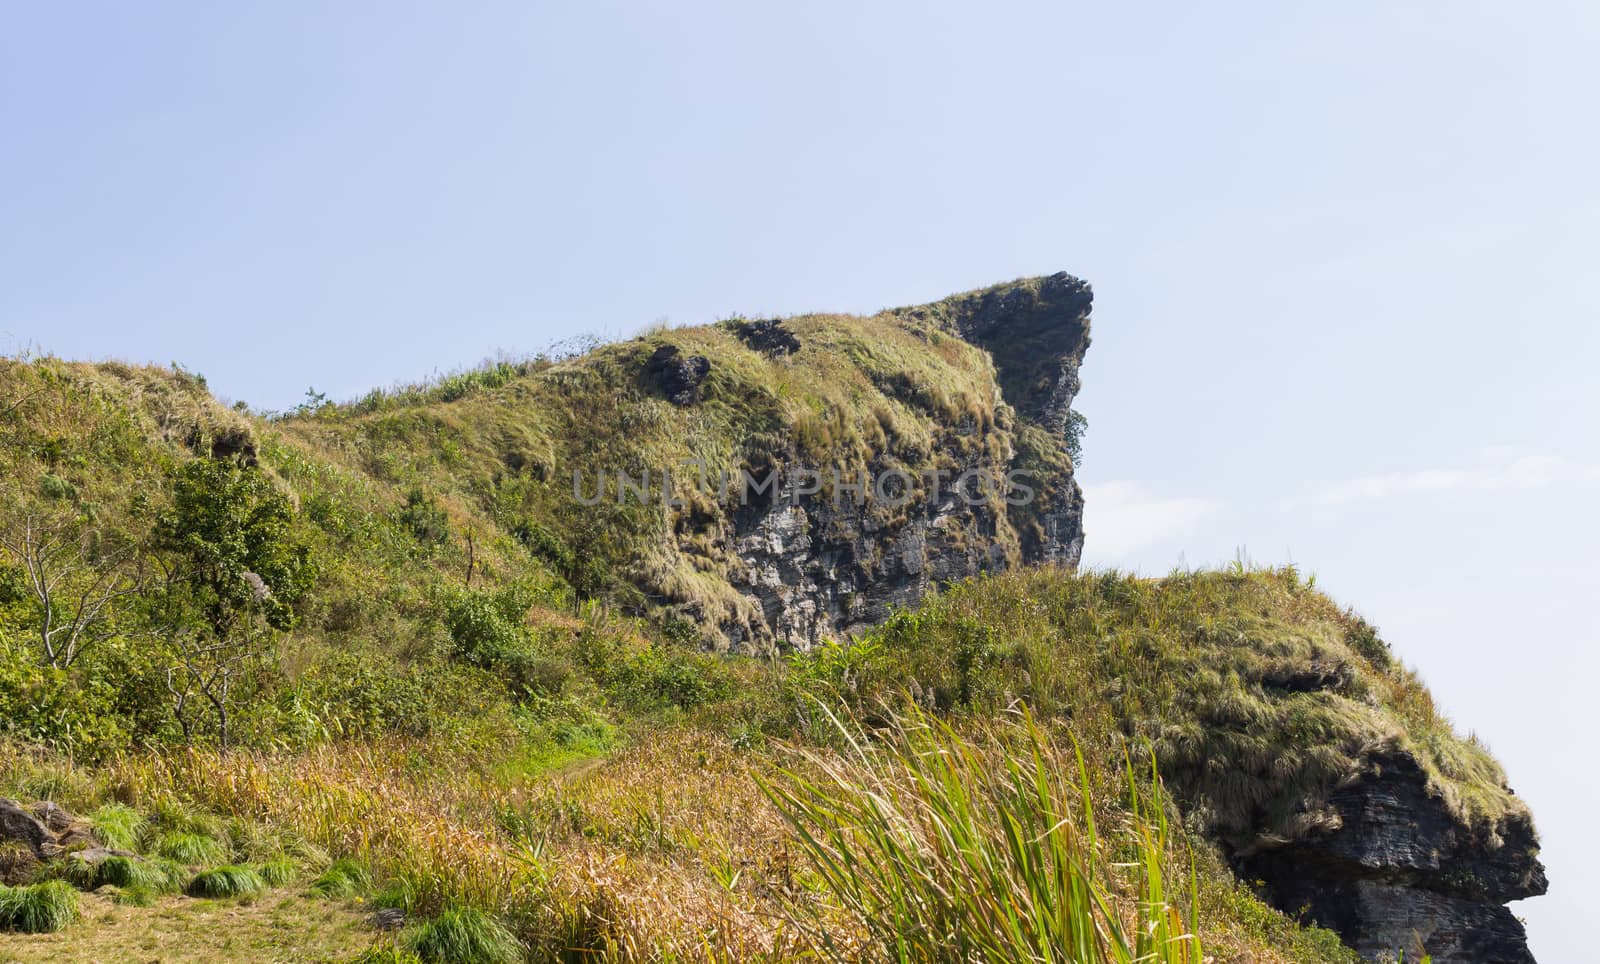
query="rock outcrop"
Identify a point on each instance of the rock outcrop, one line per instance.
(1403, 874)
(678, 375)
(1399, 873)
(820, 566)
(30, 836)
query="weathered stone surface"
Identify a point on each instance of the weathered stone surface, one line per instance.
(768, 337)
(52, 815)
(20, 826)
(678, 375)
(96, 856)
(822, 567)
(1403, 874)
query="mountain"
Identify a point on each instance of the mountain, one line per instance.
(707, 530)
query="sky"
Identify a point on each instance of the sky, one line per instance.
(1343, 255)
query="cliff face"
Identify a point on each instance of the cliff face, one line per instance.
(1401, 873)
(822, 566)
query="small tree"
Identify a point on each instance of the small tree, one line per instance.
(230, 575)
(74, 575)
(208, 667)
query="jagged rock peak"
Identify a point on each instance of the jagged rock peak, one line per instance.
(1037, 330)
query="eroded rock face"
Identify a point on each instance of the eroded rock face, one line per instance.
(1402, 874)
(821, 570)
(679, 375)
(768, 337)
(21, 827)
(820, 567)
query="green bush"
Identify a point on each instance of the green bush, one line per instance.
(425, 519)
(482, 633)
(666, 676)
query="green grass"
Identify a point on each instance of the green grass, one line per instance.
(118, 826)
(192, 849)
(38, 909)
(227, 882)
(154, 876)
(343, 879)
(954, 847)
(463, 935)
(278, 871)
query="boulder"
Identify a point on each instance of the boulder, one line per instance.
(20, 826)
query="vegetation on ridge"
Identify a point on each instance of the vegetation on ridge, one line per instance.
(373, 652)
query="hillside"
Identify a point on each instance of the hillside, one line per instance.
(410, 633)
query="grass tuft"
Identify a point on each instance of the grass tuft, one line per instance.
(118, 826)
(278, 871)
(131, 873)
(947, 846)
(189, 848)
(225, 882)
(39, 909)
(463, 935)
(343, 879)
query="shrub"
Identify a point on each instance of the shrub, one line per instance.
(463, 935)
(224, 882)
(481, 632)
(40, 909)
(425, 519)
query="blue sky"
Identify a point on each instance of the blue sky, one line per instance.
(1343, 254)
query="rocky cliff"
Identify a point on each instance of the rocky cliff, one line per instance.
(822, 566)
(1331, 793)
(1399, 872)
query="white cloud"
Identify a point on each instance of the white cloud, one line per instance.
(1499, 470)
(1120, 517)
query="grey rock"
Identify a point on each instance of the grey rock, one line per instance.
(1403, 874)
(388, 918)
(820, 567)
(53, 816)
(768, 337)
(679, 376)
(20, 826)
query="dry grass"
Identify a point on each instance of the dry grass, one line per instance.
(202, 931)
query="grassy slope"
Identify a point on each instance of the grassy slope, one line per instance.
(469, 793)
(863, 392)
